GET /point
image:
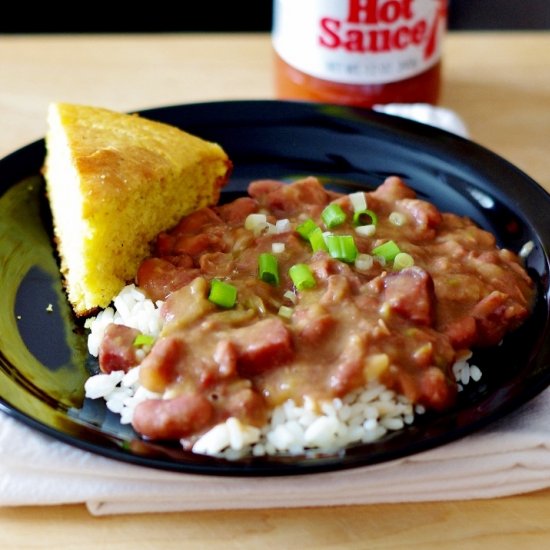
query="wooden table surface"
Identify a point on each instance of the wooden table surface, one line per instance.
(498, 82)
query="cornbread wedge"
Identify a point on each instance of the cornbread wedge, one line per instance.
(114, 181)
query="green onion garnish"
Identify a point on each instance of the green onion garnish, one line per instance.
(222, 294)
(255, 223)
(403, 260)
(358, 201)
(305, 228)
(389, 250)
(317, 240)
(268, 270)
(301, 276)
(289, 295)
(366, 230)
(365, 217)
(342, 247)
(143, 340)
(286, 312)
(364, 262)
(333, 215)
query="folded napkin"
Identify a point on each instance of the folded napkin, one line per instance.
(509, 457)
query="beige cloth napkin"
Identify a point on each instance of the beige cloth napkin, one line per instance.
(509, 457)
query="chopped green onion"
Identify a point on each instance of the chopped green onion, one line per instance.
(268, 269)
(270, 229)
(389, 250)
(306, 227)
(286, 312)
(364, 262)
(143, 340)
(282, 226)
(255, 223)
(366, 230)
(301, 276)
(333, 215)
(317, 240)
(403, 260)
(363, 217)
(289, 295)
(222, 294)
(341, 247)
(358, 201)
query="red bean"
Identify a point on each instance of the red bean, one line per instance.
(172, 418)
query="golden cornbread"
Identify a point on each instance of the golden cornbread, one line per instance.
(114, 181)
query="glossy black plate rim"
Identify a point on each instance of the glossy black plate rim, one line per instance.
(474, 161)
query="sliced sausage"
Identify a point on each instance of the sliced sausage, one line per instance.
(261, 346)
(117, 350)
(172, 418)
(194, 222)
(235, 212)
(496, 314)
(306, 195)
(410, 292)
(158, 277)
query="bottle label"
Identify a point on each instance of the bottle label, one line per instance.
(359, 41)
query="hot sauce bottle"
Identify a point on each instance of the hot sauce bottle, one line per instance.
(359, 52)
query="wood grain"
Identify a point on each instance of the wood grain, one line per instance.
(498, 82)
(506, 523)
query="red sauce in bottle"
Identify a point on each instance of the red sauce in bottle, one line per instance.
(359, 52)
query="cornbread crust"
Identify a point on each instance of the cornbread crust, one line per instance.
(114, 181)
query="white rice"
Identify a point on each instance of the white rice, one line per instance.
(465, 373)
(121, 391)
(131, 308)
(363, 416)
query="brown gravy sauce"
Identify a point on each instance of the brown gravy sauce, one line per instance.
(405, 327)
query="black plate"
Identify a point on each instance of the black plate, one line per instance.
(43, 360)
